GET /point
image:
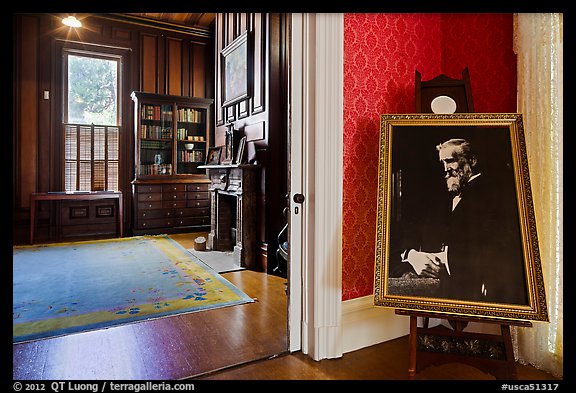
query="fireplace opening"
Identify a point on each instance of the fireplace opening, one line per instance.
(226, 221)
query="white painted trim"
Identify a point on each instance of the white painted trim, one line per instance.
(329, 130)
(317, 77)
(297, 230)
(364, 324)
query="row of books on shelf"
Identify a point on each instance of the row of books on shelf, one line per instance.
(156, 112)
(155, 145)
(189, 115)
(190, 156)
(155, 132)
(182, 134)
(156, 169)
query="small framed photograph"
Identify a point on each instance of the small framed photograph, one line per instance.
(213, 157)
(235, 78)
(240, 152)
(228, 154)
(456, 231)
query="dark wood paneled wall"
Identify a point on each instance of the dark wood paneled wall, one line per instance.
(175, 66)
(154, 60)
(262, 117)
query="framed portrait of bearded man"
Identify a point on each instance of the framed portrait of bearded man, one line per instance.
(456, 232)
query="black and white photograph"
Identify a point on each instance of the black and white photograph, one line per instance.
(454, 230)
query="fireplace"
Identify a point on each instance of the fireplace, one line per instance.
(233, 193)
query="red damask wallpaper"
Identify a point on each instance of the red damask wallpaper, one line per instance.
(381, 55)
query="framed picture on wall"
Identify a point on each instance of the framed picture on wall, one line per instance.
(236, 70)
(456, 232)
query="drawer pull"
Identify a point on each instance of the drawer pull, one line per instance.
(143, 214)
(150, 206)
(168, 213)
(174, 196)
(144, 224)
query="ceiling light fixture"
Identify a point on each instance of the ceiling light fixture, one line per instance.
(72, 21)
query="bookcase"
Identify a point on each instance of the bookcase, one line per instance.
(172, 136)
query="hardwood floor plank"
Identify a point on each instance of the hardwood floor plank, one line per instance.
(78, 356)
(161, 346)
(126, 361)
(29, 360)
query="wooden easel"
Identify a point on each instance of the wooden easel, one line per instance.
(491, 353)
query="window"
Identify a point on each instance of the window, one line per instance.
(91, 122)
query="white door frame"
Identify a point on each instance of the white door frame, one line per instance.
(316, 160)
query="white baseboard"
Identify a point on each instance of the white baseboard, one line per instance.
(364, 324)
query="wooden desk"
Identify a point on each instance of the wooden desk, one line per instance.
(74, 196)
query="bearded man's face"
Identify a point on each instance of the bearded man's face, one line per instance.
(457, 178)
(457, 169)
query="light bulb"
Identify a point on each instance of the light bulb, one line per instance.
(72, 21)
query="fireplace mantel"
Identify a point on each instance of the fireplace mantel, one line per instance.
(234, 194)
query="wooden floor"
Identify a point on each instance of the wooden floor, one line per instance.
(246, 342)
(175, 347)
(385, 361)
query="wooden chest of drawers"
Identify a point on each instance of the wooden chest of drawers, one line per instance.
(171, 207)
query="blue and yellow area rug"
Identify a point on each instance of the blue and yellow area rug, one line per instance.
(74, 287)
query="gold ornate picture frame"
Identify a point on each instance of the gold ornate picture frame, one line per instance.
(456, 231)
